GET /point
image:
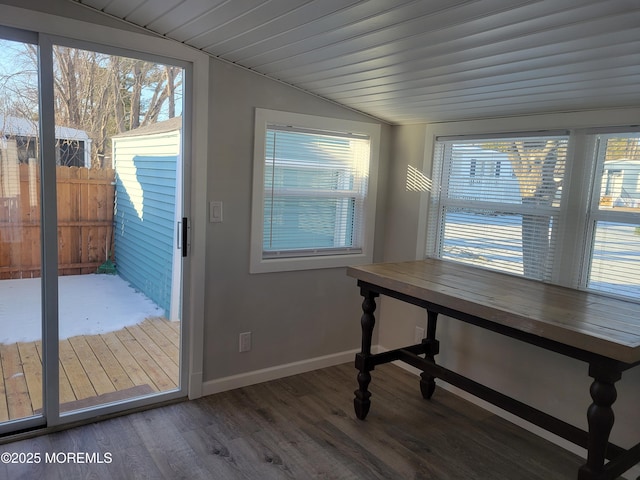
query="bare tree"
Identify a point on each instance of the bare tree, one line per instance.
(537, 166)
(103, 95)
(166, 82)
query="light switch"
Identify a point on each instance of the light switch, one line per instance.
(215, 212)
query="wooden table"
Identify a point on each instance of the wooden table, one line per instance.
(599, 330)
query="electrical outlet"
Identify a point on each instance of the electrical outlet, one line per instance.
(418, 335)
(245, 342)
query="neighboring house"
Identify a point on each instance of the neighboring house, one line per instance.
(147, 211)
(481, 174)
(19, 145)
(73, 146)
(620, 183)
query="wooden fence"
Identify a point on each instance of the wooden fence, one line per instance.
(85, 220)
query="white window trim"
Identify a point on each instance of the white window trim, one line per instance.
(263, 118)
(568, 269)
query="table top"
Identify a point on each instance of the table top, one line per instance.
(595, 323)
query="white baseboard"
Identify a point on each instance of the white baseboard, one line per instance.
(278, 371)
(633, 473)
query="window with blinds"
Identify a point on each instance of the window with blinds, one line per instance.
(315, 184)
(499, 202)
(613, 262)
(314, 192)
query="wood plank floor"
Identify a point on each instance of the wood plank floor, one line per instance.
(94, 369)
(303, 427)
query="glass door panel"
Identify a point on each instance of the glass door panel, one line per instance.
(119, 163)
(21, 374)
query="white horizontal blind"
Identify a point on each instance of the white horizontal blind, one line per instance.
(614, 260)
(315, 184)
(498, 204)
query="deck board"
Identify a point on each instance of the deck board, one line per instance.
(72, 366)
(66, 392)
(134, 370)
(155, 351)
(18, 401)
(90, 366)
(171, 330)
(112, 367)
(161, 340)
(160, 379)
(32, 367)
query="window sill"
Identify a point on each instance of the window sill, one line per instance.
(261, 265)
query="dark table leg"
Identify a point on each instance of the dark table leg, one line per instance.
(428, 382)
(362, 403)
(600, 418)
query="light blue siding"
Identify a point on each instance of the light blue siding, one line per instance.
(145, 227)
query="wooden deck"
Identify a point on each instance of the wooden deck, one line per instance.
(94, 369)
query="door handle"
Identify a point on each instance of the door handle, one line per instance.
(185, 236)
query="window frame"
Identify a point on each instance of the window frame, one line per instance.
(595, 214)
(261, 263)
(573, 246)
(444, 159)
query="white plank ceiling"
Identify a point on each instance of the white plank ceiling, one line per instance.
(417, 61)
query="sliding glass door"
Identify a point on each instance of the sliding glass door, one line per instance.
(21, 376)
(91, 245)
(118, 158)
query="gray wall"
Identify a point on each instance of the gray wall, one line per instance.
(403, 220)
(293, 316)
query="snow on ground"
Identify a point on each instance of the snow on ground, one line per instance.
(88, 305)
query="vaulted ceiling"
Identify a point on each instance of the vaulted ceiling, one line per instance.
(416, 61)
